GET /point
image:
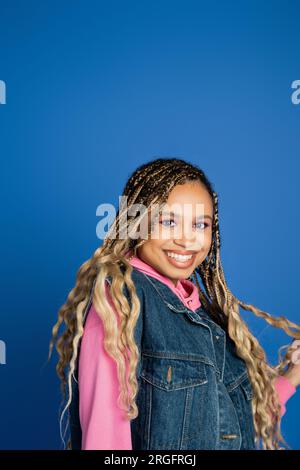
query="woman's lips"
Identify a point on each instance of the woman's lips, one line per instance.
(180, 264)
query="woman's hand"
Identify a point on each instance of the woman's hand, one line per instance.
(293, 371)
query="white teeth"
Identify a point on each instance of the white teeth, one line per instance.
(179, 257)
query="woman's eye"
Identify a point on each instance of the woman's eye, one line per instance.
(166, 222)
(202, 223)
(169, 222)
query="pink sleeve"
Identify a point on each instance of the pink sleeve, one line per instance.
(284, 390)
(103, 424)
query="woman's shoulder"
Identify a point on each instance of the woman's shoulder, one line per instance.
(137, 277)
(91, 317)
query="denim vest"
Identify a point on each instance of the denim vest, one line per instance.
(194, 391)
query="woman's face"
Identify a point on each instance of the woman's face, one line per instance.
(180, 240)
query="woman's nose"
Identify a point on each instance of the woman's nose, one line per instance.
(185, 241)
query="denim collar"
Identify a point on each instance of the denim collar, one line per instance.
(199, 316)
(168, 296)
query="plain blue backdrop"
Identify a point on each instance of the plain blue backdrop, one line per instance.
(95, 89)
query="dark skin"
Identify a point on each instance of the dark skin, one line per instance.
(172, 233)
(187, 234)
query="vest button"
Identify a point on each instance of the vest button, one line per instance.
(217, 337)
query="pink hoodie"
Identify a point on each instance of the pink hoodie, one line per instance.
(102, 422)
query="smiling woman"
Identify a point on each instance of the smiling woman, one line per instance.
(181, 241)
(185, 369)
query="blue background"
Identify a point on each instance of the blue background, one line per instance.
(96, 88)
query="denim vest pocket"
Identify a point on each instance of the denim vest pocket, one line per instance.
(172, 390)
(173, 373)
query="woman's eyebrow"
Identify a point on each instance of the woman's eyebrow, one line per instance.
(173, 214)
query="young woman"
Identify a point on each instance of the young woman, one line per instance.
(157, 353)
